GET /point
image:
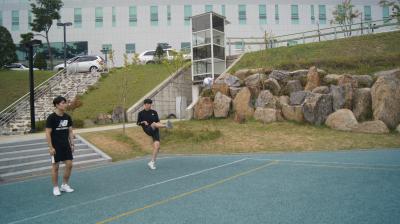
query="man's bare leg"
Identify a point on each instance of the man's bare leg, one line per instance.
(156, 148)
(67, 171)
(54, 174)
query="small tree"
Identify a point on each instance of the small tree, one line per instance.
(7, 47)
(40, 61)
(159, 54)
(395, 7)
(126, 63)
(45, 11)
(111, 57)
(135, 59)
(176, 63)
(344, 16)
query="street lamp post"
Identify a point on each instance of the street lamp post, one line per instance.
(65, 41)
(30, 45)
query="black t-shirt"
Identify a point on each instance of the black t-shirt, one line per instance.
(59, 130)
(150, 116)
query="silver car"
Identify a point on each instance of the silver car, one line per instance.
(85, 63)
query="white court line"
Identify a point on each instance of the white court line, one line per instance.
(126, 192)
(336, 163)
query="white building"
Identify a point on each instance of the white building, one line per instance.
(129, 26)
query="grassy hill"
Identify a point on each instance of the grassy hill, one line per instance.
(107, 93)
(357, 55)
(15, 84)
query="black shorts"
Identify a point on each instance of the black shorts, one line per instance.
(154, 133)
(63, 154)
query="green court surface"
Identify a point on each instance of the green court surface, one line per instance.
(361, 186)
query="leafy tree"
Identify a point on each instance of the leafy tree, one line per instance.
(395, 7)
(40, 61)
(159, 54)
(26, 37)
(344, 14)
(7, 47)
(45, 11)
(135, 59)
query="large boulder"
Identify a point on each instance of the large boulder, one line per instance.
(233, 91)
(103, 118)
(232, 81)
(364, 81)
(386, 73)
(242, 104)
(348, 79)
(371, 127)
(220, 88)
(293, 113)
(254, 83)
(297, 98)
(322, 90)
(342, 96)
(313, 79)
(300, 75)
(342, 120)
(331, 79)
(203, 108)
(385, 95)
(317, 107)
(283, 100)
(118, 114)
(266, 115)
(266, 100)
(362, 104)
(273, 86)
(260, 70)
(243, 73)
(281, 76)
(292, 86)
(222, 105)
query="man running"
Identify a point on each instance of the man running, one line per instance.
(148, 119)
(60, 139)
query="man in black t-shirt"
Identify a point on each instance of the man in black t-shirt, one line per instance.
(60, 139)
(148, 119)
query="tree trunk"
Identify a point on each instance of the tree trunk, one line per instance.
(49, 50)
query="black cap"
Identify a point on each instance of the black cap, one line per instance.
(147, 101)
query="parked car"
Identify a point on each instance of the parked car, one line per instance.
(147, 57)
(18, 66)
(86, 63)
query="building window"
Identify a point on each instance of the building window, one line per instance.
(187, 14)
(223, 10)
(169, 15)
(239, 45)
(77, 17)
(322, 14)
(294, 14)
(185, 47)
(262, 14)
(208, 8)
(130, 48)
(99, 17)
(15, 20)
(242, 14)
(385, 13)
(114, 17)
(154, 15)
(312, 15)
(132, 16)
(276, 14)
(367, 13)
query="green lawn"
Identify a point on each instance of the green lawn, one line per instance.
(358, 55)
(107, 93)
(227, 136)
(15, 84)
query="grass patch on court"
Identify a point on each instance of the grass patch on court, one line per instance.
(361, 55)
(108, 92)
(15, 84)
(226, 136)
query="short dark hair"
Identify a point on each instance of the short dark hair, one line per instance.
(147, 101)
(58, 100)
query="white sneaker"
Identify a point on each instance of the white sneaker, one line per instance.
(152, 165)
(169, 124)
(56, 191)
(66, 188)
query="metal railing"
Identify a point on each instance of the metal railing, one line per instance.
(249, 44)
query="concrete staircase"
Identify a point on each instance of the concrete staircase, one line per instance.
(27, 158)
